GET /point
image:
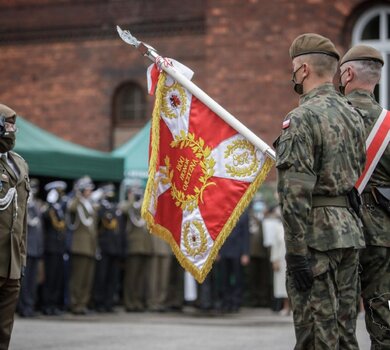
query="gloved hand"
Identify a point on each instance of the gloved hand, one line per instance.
(298, 266)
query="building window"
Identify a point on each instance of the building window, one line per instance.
(373, 29)
(130, 105)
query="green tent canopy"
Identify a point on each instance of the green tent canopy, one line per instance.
(136, 154)
(49, 155)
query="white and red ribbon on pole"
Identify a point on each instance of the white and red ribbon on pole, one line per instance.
(155, 69)
(376, 144)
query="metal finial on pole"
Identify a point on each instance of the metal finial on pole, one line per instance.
(152, 54)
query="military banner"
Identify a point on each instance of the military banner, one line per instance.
(202, 175)
(202, 172)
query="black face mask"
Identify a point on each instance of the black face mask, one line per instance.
(298, 87)
(7, 142)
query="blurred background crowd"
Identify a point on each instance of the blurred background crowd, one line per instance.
(89, 250)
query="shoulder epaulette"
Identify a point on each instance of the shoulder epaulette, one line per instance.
(17, 154)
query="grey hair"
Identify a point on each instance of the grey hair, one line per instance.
(322, 64)
(368, 72)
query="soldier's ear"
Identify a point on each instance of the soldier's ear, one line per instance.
(349, 75)
(305, 70)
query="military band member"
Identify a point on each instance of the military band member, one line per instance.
(56, 232)
(110, 243)
(360, 71)
(14, 192)
(35, 246)
(138, 252)
(320, 156)
(259, 273)
(233, 256)
(83, 246)
(159, 274)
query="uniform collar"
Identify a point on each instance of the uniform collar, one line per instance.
(360, 93)
(322, 89)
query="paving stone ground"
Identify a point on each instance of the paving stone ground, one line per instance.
(250, 329)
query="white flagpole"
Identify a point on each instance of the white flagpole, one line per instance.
(165, 65)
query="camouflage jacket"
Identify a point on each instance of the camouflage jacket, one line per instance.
(376, 221)
(321, 152)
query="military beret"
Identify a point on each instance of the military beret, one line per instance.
(313, 43)
(362, 53)
(61, 185)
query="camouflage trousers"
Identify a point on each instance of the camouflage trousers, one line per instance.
(375, 279)
(325, 316)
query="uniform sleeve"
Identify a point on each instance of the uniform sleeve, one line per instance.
(23, 249)
(296, 178)
(73, 203)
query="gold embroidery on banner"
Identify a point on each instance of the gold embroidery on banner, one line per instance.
(194, 238)
(174, 101)
(245, 163)
(186, 167)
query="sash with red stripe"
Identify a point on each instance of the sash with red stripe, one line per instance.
(376, 144)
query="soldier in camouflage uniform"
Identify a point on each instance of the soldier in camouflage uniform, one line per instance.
(360, 72)
(320, 155)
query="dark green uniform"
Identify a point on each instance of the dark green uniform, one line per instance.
(320, 155)
(14, 191)
(139, 249)
(375, 259)
(83, 250)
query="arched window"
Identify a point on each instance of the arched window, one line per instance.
(129, 111)
(129, 105)
(373, 28)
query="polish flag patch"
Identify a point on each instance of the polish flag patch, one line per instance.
(286, 124)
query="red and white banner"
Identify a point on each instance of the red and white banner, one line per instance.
(376, 143)
(202, 175)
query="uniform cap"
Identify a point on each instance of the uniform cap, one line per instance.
(362, 53)
(313, 43)
(108, 190)
(34, 183)
(84, 183)
(60, 185)
(7, 112)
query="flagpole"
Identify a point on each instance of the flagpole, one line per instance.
(165, 65)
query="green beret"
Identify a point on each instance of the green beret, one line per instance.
(313, 43)
(362, 53)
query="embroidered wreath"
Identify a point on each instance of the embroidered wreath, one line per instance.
(195, 244)
(175, 98)
(206, 162)
(235, 170)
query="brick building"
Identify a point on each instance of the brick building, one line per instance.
(64, 68)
